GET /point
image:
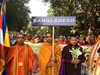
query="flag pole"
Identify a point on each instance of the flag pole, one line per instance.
(53, 47)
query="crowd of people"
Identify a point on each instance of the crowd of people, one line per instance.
(81, 39)
(20, 57)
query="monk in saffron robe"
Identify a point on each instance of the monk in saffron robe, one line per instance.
(46, 61)
(29, 38)
(61, 40)
(20, 58)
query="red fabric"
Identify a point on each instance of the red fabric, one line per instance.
(82, 44)
(83, 67)
(0, 21)
(67, 42)
(36, 65)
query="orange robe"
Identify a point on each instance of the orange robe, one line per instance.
(44, 59)
(31, 41)
(19, 60)
(61, 42)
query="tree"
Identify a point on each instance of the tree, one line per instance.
(0, 4)
(17, 14)
(87, 13)
(36, 29)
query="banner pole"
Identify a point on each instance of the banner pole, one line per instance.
(53, 47)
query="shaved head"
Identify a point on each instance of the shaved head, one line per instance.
(20, 39)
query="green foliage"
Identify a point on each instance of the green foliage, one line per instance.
(36, 29)
(0, 1)
(17, 14)
(62, 30)
(50, 12)
(87, 13)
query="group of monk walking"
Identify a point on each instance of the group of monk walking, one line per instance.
(20, 58)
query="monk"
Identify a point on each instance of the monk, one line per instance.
(29, 38)
(68, 59)
(46, 61)
(20, 58)
(61, 40)
(81, 41)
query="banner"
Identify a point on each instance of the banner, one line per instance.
(54, 21)
(36, 48)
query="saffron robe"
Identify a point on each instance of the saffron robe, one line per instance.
(19, 60)
(31, 41)
(45, 56)
(94, 57)
(61, 42)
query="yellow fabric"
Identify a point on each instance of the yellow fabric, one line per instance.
(5, 7)
(20, 59)
(44, 59)
(15, 66)
(2, 62)
(6, 39)
(2, 58)
(6, 43)
(29, 41)
(25, 60)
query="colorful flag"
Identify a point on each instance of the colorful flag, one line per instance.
(4, 43)
(1, 45)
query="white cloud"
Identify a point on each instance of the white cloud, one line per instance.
(38, 8)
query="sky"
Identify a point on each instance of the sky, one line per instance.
(38, 8)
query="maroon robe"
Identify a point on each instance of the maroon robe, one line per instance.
(69, 67)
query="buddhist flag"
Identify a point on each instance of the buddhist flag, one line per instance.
(1, 46)
(4, 37)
